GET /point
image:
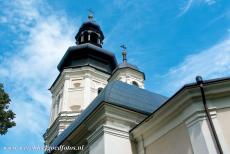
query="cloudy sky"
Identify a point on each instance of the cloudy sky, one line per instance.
(170, 42)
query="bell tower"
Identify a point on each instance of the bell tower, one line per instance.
(84, 71)
(127, 72)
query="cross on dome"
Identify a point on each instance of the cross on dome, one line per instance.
(90, 14)
(124, 53)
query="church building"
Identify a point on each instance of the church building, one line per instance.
(101, 105)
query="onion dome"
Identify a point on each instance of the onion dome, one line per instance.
(89, 51)
(90, 32)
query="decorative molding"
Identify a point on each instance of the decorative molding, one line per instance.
(63, 120)
(199, 116)
(116, 131)
(186, 103)
(185, 108)
(105, 129)
(76, 72)
(95, 135)
(112, 120)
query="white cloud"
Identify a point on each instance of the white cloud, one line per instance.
(189, 3)
(210, 2)
(186, 8)
(32, 67)
(210, 63)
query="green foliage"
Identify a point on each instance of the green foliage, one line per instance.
(6, 115)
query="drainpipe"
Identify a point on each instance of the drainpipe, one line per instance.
(200, 83)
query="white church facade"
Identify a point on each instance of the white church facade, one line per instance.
(103, 106)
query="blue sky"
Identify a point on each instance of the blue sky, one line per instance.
(171, 42)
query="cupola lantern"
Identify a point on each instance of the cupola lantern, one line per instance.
(90, 32)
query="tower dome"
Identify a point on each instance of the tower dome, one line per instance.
(124, 63)
(127, 72)
(89, 51)
(90, 32)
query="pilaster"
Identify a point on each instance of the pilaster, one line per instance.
(200, 135)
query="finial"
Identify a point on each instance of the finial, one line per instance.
(124, 53)
(90, 14)
(199, 80)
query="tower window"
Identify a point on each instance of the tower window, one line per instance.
(135, 83)
(94, 37)
(85, 36)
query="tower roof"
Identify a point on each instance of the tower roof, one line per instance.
(89, 51)
(90, 32)
(90, 25)
(125, 63)
(88, 55)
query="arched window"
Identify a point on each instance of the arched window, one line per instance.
(79, 40)
(56, 106)
(85, 36)
(135, 83)
(93, 38)
(99, 90)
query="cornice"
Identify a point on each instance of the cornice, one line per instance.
(66, 74)
(184, 97)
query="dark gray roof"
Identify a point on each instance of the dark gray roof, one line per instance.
(122, 95)
(90, 25)
(88, 54)
(127, 65)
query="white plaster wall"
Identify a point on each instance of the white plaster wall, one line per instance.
(78, 87)
(72, 92)
(117, 145)
(201, 138)
(223, 116)
(176, 141)
(128, 75)
(98, 146)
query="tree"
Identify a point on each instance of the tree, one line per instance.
(6, 115)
